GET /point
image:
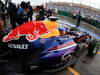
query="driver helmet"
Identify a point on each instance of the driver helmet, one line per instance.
(62, 29)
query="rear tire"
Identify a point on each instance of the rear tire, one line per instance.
(93, 47)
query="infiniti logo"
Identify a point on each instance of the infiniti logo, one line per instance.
(65, 56)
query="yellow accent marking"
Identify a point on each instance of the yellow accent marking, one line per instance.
(98, 52)
(52, 26)
(73, 71)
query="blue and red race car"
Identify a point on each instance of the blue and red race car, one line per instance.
(48, 54)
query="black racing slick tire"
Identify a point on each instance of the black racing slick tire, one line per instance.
(93, 47)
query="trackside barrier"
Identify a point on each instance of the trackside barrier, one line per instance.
(93, 22)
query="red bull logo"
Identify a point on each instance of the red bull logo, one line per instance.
(32, 30)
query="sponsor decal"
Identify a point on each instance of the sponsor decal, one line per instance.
(31, 30)
(63, 38)
(43, 41)
(63, 46)
(18, 46)
(66, 56)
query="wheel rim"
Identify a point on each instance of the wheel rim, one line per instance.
(96, 48)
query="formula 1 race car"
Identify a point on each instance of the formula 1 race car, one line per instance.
(49, 54)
